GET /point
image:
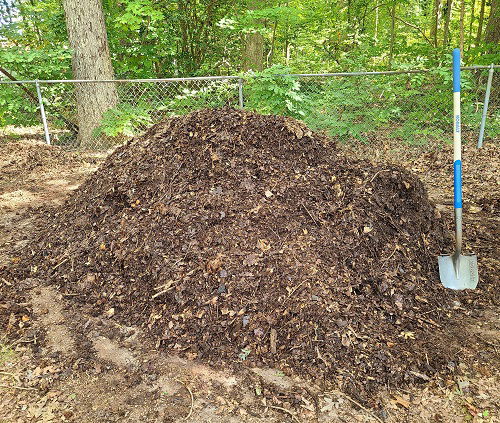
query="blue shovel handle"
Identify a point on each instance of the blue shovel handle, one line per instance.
(457, 164)
(456, 70)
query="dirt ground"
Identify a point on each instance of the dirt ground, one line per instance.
(46, 375)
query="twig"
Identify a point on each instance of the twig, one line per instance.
(487, 342)
(310, 215)
(22, 341)
(12, 375)
(7, 373)
(359, 405)
(430, 322)
(167, 287)
(376, 174)
(161, 293)
(273, 337)
(388, 258)
(414, 27)
(294, 417)
(18, 387)
(420, 375)
(295, 289)
(6, 282)
(60, 264)
(192, 398)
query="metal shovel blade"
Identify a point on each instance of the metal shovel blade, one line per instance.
(458, 271)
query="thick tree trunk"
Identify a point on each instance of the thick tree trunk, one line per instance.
(91, 60)
(447, 18)
(253, 52)
(492, 34)
(481, 20)
(253, 55)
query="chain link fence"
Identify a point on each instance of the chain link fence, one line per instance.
(410, 106)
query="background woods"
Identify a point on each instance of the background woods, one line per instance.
(126, 39)
(150, 38)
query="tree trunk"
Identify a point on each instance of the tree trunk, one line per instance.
(393, 32)
(447, 17)
(253, 55)
(492, 34)
(471, 22)
(270, 56)
(435, 22)
(481, 20)
(91, 60)
(253, 52)
(462, 14)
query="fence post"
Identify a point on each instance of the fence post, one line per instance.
(240, 92)
(485, 107)
(42, 112)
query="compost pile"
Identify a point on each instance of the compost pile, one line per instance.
(242, 239)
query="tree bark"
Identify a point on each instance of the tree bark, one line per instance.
(270, 56)
(471, 22)
(393, 32)
(447, 18)
(481, 20)
(462, 14)
(91, 60)
(435, 22)
(492, 34)
(253, 52)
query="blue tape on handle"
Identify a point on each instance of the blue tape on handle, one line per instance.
(457, 184)
(456, 70)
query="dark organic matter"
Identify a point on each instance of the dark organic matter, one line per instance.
(237, 238)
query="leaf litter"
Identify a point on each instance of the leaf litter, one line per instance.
(248, 240)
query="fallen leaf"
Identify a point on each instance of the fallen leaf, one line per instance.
(255, 209)
(407, 335)
(214, 264)
(401, 401)
(263, 245)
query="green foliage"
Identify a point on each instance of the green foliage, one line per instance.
(211, 95)
(124, 120)
(6, 353)
(351, 107)
(157, 39)
(16, 107)
(272, 91)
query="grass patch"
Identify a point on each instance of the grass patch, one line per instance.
(7, 353)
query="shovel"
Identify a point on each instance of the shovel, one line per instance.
(457, 271)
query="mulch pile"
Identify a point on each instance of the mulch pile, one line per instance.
(237, 238)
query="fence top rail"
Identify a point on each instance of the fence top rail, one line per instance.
(73, 81)
(233, 77)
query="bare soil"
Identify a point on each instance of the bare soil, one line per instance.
(79, 365)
